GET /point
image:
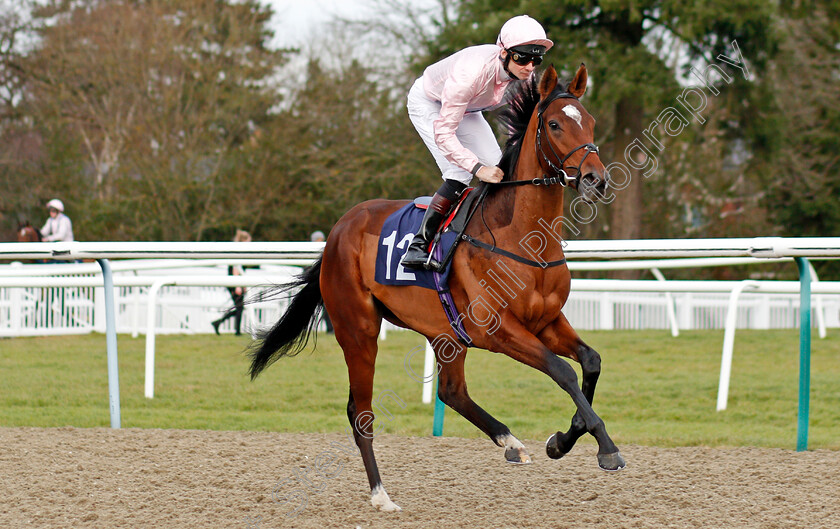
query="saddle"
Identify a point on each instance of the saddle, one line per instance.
(456, 222)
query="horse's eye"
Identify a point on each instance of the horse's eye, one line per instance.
(553, 125)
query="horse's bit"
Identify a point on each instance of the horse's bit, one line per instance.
(561, 177)
(559, 169)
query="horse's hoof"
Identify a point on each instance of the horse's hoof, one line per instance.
(611, 462)
(379, 499)
(517, 456)
(552, 449)
(388, 507)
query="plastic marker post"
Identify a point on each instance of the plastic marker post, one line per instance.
(440, 408)
(804, 352)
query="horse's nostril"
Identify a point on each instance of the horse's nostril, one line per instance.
(591, 181)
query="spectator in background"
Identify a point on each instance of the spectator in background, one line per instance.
(58, 226)
(236, 293)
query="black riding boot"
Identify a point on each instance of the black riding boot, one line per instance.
(417, 255)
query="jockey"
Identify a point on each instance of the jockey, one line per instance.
(445, 106)
(58, 226)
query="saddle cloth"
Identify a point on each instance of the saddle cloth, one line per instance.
(397, 232)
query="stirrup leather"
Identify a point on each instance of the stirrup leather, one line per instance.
(418, 254)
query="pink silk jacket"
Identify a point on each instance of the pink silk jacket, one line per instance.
(471, 80)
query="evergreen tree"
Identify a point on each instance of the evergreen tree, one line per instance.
(637, 53)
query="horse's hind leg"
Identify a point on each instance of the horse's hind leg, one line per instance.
(356, 326)
(361, 421)
(563, 340)
(452, 390)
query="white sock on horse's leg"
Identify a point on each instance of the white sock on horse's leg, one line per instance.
(379, 499)
(515, 451)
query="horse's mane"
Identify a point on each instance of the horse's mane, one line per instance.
(515, 118)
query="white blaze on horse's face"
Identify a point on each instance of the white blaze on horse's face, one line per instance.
(574, 113)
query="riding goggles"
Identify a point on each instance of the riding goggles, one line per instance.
(524, 58)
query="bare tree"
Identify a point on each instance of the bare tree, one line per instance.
(159, 93)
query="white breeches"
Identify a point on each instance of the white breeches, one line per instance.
(474, 133)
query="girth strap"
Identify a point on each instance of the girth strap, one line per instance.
(517, 258)
(456, 321)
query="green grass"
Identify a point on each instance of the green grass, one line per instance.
(654, 389)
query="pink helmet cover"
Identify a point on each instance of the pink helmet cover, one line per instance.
(522, 30)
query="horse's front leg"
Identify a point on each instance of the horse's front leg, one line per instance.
(518, 343)
(562, 339)
(452, 390)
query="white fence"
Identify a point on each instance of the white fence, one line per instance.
(57, 310)
(640, 310)
(54, 310)
(38, 311)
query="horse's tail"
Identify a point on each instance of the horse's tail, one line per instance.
(290, 335)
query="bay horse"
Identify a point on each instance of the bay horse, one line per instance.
(551, 133)
(28, 233)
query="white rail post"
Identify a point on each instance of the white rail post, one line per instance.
(820, 309)
(151, 312)
(669, 304)
(100, 323)
(111, 344)
(686, 313)
(729, 342)
(15, 312)
(762, 314)
(16, 300)
(606, 312)
(135, 323)
(428, 374)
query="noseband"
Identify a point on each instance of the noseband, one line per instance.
(559, 168)
(560, 177)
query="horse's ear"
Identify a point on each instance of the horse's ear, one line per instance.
(548, 82)
(578, 85)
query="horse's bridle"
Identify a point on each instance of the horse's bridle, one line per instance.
(560, 168)
(560, 177)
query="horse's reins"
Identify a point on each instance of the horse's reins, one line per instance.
(561, 178)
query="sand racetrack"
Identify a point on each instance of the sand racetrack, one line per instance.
(69, 477)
